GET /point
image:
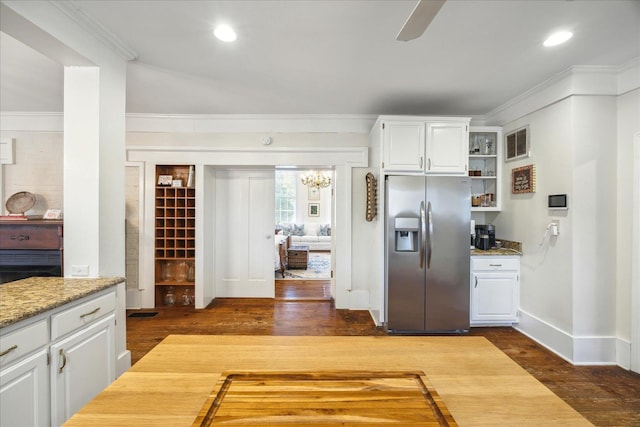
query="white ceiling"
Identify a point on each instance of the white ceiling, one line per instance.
(333, 57)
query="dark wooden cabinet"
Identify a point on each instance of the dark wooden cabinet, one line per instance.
(29, 248)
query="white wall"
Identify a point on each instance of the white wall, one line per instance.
(38, 168)
(628, 122)
(567, 291)
(546, 270)
(302, 200)
(593, 212)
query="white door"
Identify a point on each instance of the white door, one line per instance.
(245, 221)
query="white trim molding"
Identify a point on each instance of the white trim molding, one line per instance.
(344, 159)
(74, 11)
(250, 123)
(203, 123)
(635, 260)
(576, 80)
(578, 350)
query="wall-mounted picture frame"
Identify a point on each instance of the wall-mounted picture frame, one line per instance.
(165, 180)
(314, 209)
(523, 179)
(52, 214)
(314, 193)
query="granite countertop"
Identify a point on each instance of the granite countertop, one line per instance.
(508, 248)
(26, 298)
(495, 252)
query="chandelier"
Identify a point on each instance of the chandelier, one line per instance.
(314, 179)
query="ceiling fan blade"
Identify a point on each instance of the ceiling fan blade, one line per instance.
(419, 20)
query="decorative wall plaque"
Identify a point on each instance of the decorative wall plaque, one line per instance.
(523, 179)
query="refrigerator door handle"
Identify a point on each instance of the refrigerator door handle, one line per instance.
(430, 221)
(423, 234)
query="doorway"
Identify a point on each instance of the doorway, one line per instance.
(303, 225)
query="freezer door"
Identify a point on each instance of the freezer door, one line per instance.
(405, 278)
(448, 218)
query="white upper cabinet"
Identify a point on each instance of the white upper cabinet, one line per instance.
(424, 145)
(447, 148)
(403, 143)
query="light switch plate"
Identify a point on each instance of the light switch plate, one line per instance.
(80, 270)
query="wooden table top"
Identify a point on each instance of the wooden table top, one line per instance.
(478, 383)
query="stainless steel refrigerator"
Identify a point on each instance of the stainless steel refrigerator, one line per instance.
(427, 254)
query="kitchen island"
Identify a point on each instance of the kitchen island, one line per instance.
(62, 341)
(171, 385)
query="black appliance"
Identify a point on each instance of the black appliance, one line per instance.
(485, 236)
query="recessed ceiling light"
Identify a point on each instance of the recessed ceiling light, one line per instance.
(225, 33)
(557, 38)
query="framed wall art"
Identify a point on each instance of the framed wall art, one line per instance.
(314, 193)
(523, 179)
(314, 209)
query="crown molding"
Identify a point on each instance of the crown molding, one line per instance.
(74, 11)
(575, 80)
(21, 121)
(250, 123)
(203, 123)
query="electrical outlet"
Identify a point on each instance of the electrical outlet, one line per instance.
(80, 270)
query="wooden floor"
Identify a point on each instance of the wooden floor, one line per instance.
(606, 396)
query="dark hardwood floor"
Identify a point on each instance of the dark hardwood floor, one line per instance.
(605, 395)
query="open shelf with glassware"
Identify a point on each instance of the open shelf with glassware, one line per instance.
(485, 146)
(175, 235)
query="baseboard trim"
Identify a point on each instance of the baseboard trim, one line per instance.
(623, 353)
(123, 363)
(584, 350)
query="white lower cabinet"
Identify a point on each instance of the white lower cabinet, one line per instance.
(495, 290)
(24, 392)
(55, 363)
(82, 365)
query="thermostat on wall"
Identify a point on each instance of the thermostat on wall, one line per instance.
(558, 201)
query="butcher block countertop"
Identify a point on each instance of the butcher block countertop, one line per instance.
(26, 298)
(176, 382)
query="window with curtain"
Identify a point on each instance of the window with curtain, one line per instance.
(285, 196)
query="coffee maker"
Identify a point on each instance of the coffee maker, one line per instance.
(485, 236)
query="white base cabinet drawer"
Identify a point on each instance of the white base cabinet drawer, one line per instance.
(20, 343)
(81, 315)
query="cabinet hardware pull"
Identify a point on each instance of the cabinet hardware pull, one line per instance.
(495, 265)
(9, 350)
(429, 163)
(94, 311)
(64, 360)
(20, 237)
(476, 282)
(421, 161)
